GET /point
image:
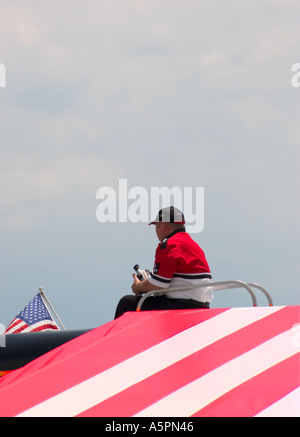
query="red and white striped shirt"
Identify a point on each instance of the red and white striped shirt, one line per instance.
(180, 261)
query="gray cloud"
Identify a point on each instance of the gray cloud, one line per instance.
(161, 93)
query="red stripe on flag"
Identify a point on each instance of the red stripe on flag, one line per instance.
(114, 342)
(43, 327)
(253, 396)
(20, 329)
(139, 396)
(13, 324)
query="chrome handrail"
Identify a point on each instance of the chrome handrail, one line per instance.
(220, 285)
(266, 293)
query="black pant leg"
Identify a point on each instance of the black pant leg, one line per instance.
(130, 302)
(127, 303)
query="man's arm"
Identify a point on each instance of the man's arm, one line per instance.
(140, 287)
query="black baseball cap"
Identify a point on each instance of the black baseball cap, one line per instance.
(169, 214)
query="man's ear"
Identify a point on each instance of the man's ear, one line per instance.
(164, 226)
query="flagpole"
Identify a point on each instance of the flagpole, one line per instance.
(47, 302)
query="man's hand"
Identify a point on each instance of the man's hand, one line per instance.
(140, 287)
(136, 284)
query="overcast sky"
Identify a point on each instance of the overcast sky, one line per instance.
(160, 93)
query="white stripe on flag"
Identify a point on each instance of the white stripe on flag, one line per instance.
(39, 324)
(201, 392)
(19, 325)
(288, 406)
(94, 390)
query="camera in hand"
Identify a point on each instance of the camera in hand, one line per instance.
(141, 274)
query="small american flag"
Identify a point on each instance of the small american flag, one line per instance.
(34, 317)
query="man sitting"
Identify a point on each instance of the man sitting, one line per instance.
(179, 261)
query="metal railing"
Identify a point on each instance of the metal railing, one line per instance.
(220, 285)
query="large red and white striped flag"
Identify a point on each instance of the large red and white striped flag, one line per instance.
(212, 362)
